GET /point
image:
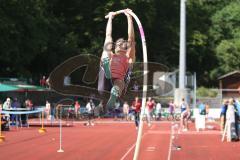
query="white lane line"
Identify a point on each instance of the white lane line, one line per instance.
(170, 145)
(151, 149)
(129, 150)
(187, 132)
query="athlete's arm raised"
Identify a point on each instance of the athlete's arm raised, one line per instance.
(107, 48)
(131, 37)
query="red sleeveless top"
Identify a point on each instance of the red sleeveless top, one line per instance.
(119, 66)
(150, 105)
(137, 105)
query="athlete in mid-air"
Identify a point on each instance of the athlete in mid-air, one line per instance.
(116, 65)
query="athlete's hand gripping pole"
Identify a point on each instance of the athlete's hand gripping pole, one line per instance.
(116, 13)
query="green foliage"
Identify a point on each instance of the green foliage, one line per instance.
(226, 22)
(205, 92)
(24, 34)
(37, 35)
(228, 52)
(226, 37)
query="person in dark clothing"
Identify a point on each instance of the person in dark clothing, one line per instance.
(237, 112)
(16, 104)
(223, 114)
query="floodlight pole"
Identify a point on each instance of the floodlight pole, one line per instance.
(182, 57)
(181, 92)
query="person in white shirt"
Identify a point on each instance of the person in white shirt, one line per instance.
(158, 111)
(230, 121)
(90, 110)
(7, 104)
(47, 110)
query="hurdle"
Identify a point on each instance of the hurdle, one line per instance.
(42, 129)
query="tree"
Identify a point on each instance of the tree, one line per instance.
(24, 34)
(226, 35)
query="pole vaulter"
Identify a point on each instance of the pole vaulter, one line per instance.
(144, 91)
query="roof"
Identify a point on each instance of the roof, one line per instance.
(229, 74)
(7, 87)
(31, 88)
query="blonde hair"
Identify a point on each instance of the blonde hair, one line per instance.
(231, 101)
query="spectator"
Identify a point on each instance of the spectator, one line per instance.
(43, 82)
(97, 111)
(52, 112)
(200, 121)
(202, 109)
(90, 110)
(207, 106)
(7, 104)
(223, 115)
(185, 115)
(58, 109)
(149, 108)
(116, 109)
(28, 104)
(101, 108)
(4, 118)
(47, 110)
(136, 106)
(76, 108)
(71, 111)
(158, 111)
(135, 86)
(230, 121)
(30, 80)
(125, 111)
(13, 117)
(16, 103)
(171, 109)
(237, 116)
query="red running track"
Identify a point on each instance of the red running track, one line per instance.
(115, 141)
